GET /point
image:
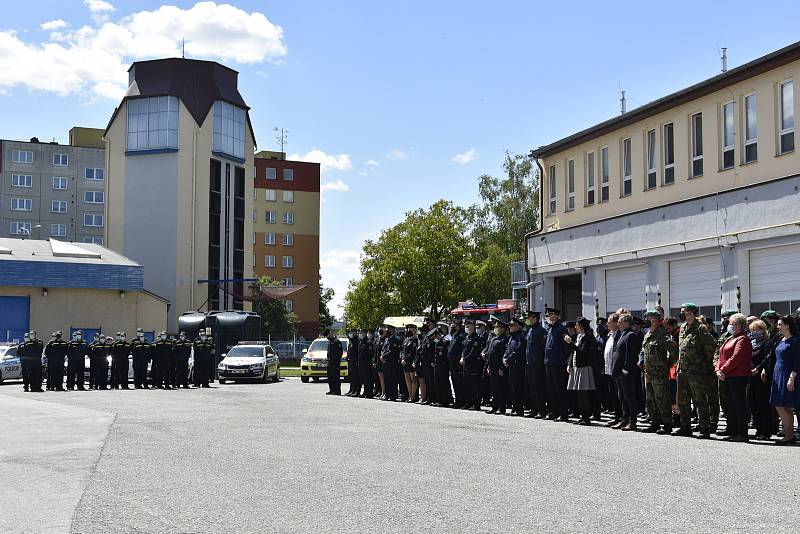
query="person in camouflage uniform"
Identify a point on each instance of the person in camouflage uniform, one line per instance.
(696, 378)
(724, 400)
(660, 353)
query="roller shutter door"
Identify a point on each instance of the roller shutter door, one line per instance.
(695, 280)
(775, 279)
(14, 318)
(626, 288)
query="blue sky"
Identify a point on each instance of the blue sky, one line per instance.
(387, 95)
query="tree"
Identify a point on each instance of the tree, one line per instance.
(325, 296)
(274, 315)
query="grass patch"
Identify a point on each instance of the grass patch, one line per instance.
(290, 371)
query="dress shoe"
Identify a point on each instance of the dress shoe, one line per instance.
(665, 430)
(612, 423)
(651, 429)
(619, 425)
(704, 434)
(790, 441)
(630, 427)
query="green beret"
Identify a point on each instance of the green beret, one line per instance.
(652, 313)
(691, 306)
(770, 314)
(729, 312)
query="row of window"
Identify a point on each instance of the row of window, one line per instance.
(26, 156)
(269, 261)
(59, 182)
(57, 206)
(60, 229)
(269, 239)
(271, 195)
(272, 174)
(288, 217)
(597, 172)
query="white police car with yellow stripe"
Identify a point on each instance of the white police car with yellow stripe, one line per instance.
(10, 367)
(249, 360)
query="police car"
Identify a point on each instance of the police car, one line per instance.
(249, 360)
(10, 367)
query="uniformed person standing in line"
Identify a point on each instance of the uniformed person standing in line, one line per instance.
(104, 352)
(724, 399)
(486, 381)
(454, 352)
(514, 361)
(425, 369)
(90, 352)
(352, 365)
(365, 352)
(473, 366)
(56, 351)
(391, 363)
(408, 356)
(77, 350)
(120, 351)
(32, 352)
(23, 362)
(162, 355)
(498, 373)
(695, 371)
(441, 366)
(377, 358)
(335, 351)
(142, 352)
(183, 351)
(536, 339)
(203, 353)
(660, 353)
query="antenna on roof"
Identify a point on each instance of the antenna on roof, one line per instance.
(724, 59)
(183, 48)
(622, 103)
(281, 137)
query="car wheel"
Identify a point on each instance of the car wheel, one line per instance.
(304, 379)
(1, 377)
(316, 379)
(265, 375)
(277, 377)
(221, 380)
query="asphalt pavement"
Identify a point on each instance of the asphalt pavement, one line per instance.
(252, 458)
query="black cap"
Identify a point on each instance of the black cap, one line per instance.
(411, 325)
(556, 311)
(469, 320)
(602, 320)
(570, 324)
(532, 313)
(497, 321)
(428, 320)
(518, 320)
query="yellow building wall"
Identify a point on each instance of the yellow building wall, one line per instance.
(115, 141)
(305, 208)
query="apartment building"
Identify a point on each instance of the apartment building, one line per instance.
(692, 197)
(179, 154)
(286, 203)
(54, 190)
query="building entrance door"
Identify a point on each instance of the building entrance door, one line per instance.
(568, 296)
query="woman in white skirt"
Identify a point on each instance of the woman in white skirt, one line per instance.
(579, 367)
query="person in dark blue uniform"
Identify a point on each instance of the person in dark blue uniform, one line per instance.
(179, 375)
(32, 353)
(119, 362)
(23, 363)
(56, 351)
(142, 352)
(203, 353)
(473, 366)
(486, 335)
(77, 349)
(162, 355)
(352, 364)
(514, 361)
(365, 351)
(408, 355)
(426, 362)
(555, 363)
(536, 339)
(454, 352)
(377, 357)
(441, 366)
(391, 362)
(335, 351)
(498, 373)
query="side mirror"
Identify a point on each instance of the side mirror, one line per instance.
(223, 355)
(305, 350)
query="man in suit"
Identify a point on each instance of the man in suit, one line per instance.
(624, 363)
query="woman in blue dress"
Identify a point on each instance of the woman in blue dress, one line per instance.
(787, 366)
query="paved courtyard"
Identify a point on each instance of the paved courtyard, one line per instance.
(286, 458)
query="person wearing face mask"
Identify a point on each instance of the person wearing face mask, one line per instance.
(352, 364)
(514, 362)
(498, 373)
(77, 350)
(758, 394)
(203, 348)
(162, 354)
(182, 353)
(56, 351)
(536, 339)
(365, 350)
(660, 353)
(408, 355)
(32, 353)
(441, 369)
(142, 352)
(425, 363)
(335, 351)
(120, 351)
(733, 370)
(378, 359)
(23, 362)
(99, 352)
(472, 365)
(696, 378)
(555, 362)
(722, 395)
(454, 351)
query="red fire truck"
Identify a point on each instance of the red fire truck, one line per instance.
(503, 310)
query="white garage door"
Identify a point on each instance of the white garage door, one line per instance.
(775, 279)
(695, 280)
(626, 288)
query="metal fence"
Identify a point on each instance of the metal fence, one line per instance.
(288, 348)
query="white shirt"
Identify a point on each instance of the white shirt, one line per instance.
(607, 353)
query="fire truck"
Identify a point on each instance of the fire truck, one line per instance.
(503, 309)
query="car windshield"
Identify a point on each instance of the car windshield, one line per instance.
(8, 354)
(321, 345)
(246, 352)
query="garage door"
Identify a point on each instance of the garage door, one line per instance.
(695, 280)
(14, 318)
(626, 288)
(775, 279)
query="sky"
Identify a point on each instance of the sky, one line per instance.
(403, 103)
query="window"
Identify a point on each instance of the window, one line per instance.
(21, 156)
(21, 204)
(94, 240)
(727, 135)
(604, 174)
(787, 117)
(697, 145)
(627, 179)
(60, 183)
(229, 124)
(269, 239)
(270, 195)
(94, 197)
(21, 180)
(61, 160)
(288, 281)
(590, 178)
(669, 154)
(288, 217)
(288, 196)
(254, 238)
(269, 261)
(288, 239)
(93, 219)
(58, 206)
(570, 185)
(153, 123)
(254, 260)
(750, 129)
(272, 173)
(289, 303)
(650, 181)
(552, 190)
(270, 218)
(58, 230)
(288, 262)
(288, 174)
(93, 174)
(20, 228)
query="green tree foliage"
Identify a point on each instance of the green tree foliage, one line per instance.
(276, 319)
(325, 296)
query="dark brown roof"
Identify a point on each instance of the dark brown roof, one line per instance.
(748, 70)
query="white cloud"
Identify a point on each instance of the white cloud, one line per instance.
(371, 163)
(338, 186)
(53, 24)
(338, 267)
(396, 154)
(466, 157)
(328, 162)
(93, 60)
